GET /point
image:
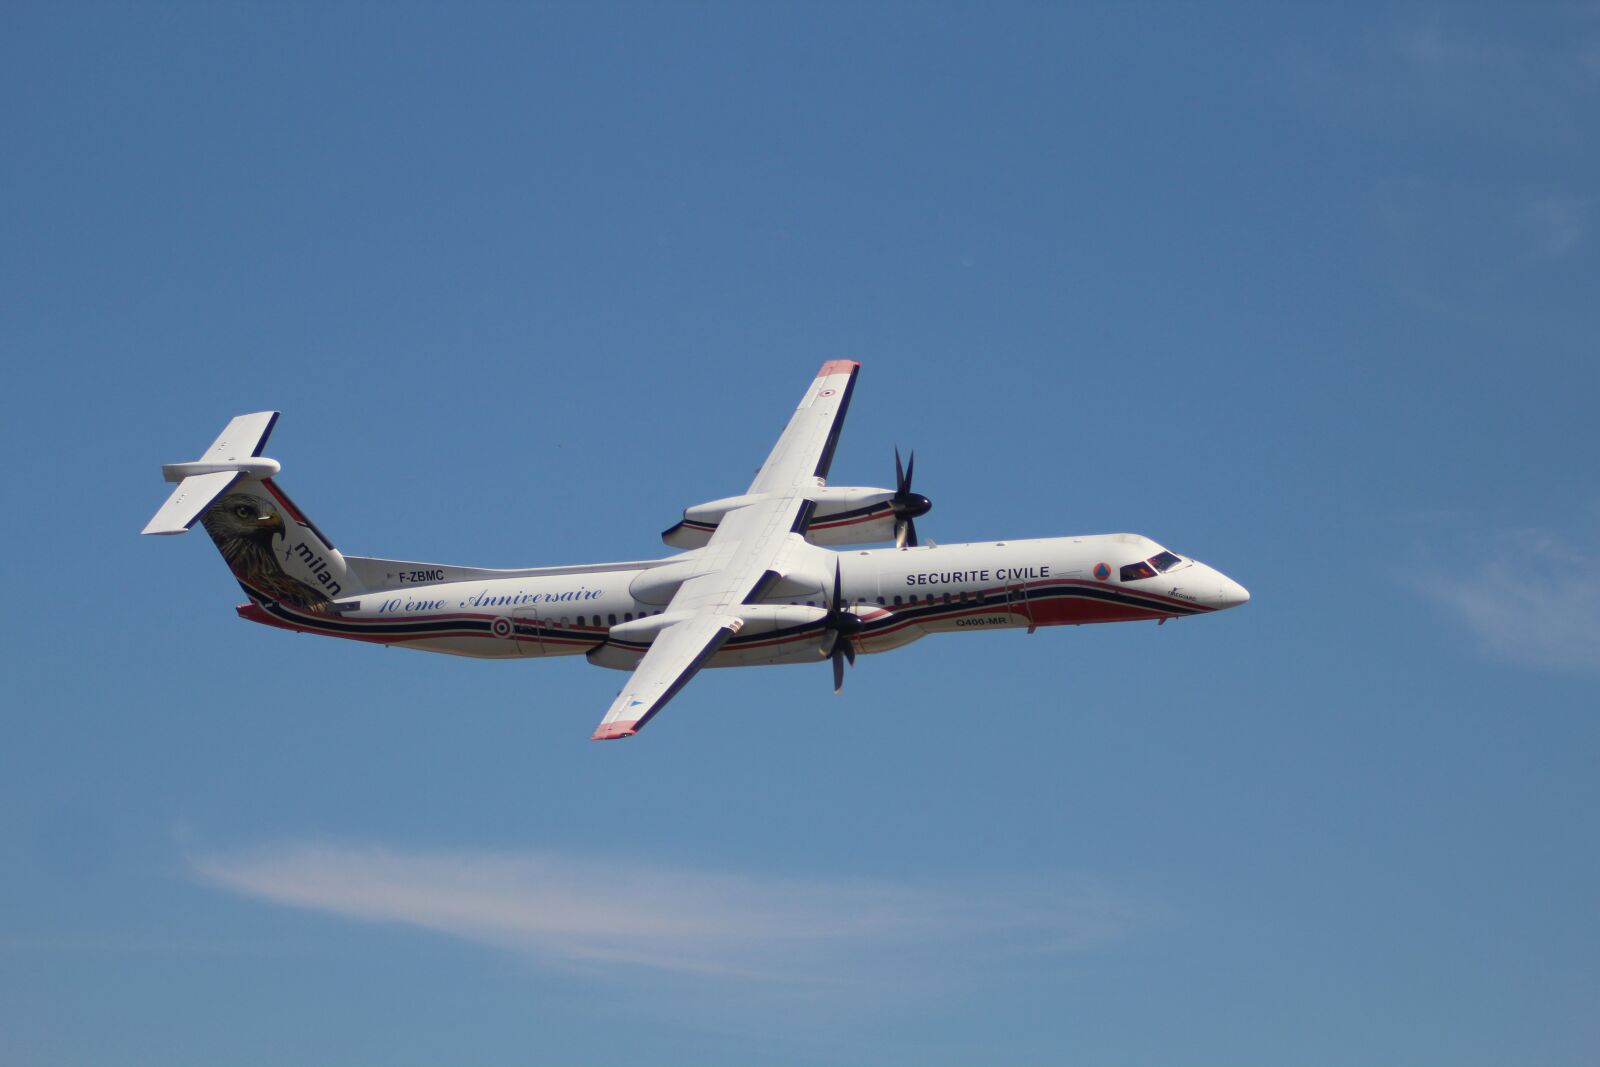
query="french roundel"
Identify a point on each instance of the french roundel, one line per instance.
(1102, 571)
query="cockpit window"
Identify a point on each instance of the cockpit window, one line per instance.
(1134, 571)
(1164, 562)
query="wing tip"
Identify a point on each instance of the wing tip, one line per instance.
(838, 366)
(611, 731)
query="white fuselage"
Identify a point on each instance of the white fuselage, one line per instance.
(898, 594)
(763, 576)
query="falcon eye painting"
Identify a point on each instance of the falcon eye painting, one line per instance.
(755, 581)
(244, 528)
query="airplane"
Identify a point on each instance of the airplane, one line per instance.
(758, 579)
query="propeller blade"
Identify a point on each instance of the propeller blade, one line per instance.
(907, 505)
(840, 624)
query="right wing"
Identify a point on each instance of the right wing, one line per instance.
(805, 451)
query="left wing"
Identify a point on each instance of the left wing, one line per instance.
(744, 556)
(673, 658)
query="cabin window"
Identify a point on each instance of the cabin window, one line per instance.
(880, 600)
(597, 620)
(1164, 562)
(897, 601)
(612, 619)
(947, 598)
(627, 616)
(1135, 571)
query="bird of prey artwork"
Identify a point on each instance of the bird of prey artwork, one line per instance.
(244, 526)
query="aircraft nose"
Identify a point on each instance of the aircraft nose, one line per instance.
(1214, 589)
(1232, 593)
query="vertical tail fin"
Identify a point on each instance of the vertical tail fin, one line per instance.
(275, 552)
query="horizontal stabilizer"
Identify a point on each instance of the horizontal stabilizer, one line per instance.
(243, 438)
(235, 454)
(193, 495)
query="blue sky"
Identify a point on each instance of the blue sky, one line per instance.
(1305, 292)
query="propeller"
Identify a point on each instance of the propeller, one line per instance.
(907, 505)
(841, 624)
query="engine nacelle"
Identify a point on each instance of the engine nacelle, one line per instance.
(844, 515)
(711, 512)
(658, 584)
(851, 515)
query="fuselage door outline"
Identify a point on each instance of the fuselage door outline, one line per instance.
(1017, 595)
(527, 625)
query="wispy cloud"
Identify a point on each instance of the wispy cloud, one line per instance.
(1502, 73)
(1428, 44)
(1464, 242)
(580, 912)
(1467, 236)
(1531, 599)
(1555, 225)
(1503, 76)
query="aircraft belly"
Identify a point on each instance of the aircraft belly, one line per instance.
(804, 650)
(471, 646)
(478, 646)
(976, 620)
(1069, 611)
(868, 642)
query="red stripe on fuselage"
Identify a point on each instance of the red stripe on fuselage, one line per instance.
(302, 623)
(1190, 606)
(1056, 609)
